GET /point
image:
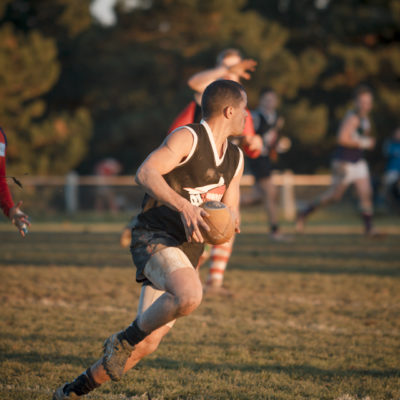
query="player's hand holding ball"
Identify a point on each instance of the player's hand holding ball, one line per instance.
(221, 222)
(193, 219)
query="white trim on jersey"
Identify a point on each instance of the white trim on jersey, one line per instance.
(195, 140)
(240, 163)
(218, 160)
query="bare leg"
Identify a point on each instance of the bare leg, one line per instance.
(364, 192)
(269, 191)
(254, 197)
(167, 268)
(332, 195)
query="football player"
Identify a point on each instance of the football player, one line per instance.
(10, 210)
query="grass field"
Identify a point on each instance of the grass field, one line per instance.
(317, 318)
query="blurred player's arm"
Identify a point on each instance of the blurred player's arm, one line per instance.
(232, 194)
(250, 142)
(175, 148)
(198, 82)
(347, 138)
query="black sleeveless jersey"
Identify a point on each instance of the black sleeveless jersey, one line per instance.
(201, 177)
(352, 154)
(266, 124)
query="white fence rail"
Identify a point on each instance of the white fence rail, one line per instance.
(73, 184)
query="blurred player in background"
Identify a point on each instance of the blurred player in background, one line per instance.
(105, 195)
(391, 150)
(349, 165)
(230, 65)
(267, 123)
(166, 239)
(10, 210)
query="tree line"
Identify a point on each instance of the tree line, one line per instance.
(74, 91)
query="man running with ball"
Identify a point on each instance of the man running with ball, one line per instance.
(166, 240)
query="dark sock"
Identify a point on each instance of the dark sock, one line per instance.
(133, 334)
(274, 228)
(83, 384)
(308, 210)
(367, 218)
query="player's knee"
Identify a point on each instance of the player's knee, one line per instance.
(188, 301)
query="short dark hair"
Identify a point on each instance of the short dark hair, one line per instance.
(266, 89)
(220, 94)
(362, 89)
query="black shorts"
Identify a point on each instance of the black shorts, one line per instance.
(147, 242)
(260, 167)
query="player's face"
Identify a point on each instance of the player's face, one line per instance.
(228, 62)
(364, 103)
(269, 101)
(239, 117)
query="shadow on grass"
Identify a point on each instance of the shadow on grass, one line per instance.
(356, 270)
(252, 252)
(294, 371)
(42, 338)
(57, 359)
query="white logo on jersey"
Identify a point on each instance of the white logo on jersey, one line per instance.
(2, 149)
(201, 194)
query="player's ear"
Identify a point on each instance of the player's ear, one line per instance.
(228, 112)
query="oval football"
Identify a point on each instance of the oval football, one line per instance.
(220, 221)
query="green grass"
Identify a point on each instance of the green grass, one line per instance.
(317, 318)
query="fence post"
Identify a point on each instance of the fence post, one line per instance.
(288, 197)
(71, 192)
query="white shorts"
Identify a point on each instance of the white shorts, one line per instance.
(345, 172)
(160, 265)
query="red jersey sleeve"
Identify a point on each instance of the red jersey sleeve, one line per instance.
(6, 201)
(250, 131)
(185, 117)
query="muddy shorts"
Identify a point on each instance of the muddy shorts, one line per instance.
(145, 243)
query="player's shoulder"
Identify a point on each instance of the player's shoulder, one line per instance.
(185, 132)
(352, 117)
(183, 138)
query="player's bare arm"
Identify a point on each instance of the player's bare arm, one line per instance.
(201, 80)
(198, 82)
(175, 148)
(232, 197)
(252, 143)
(243, 68)
(346, 137)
